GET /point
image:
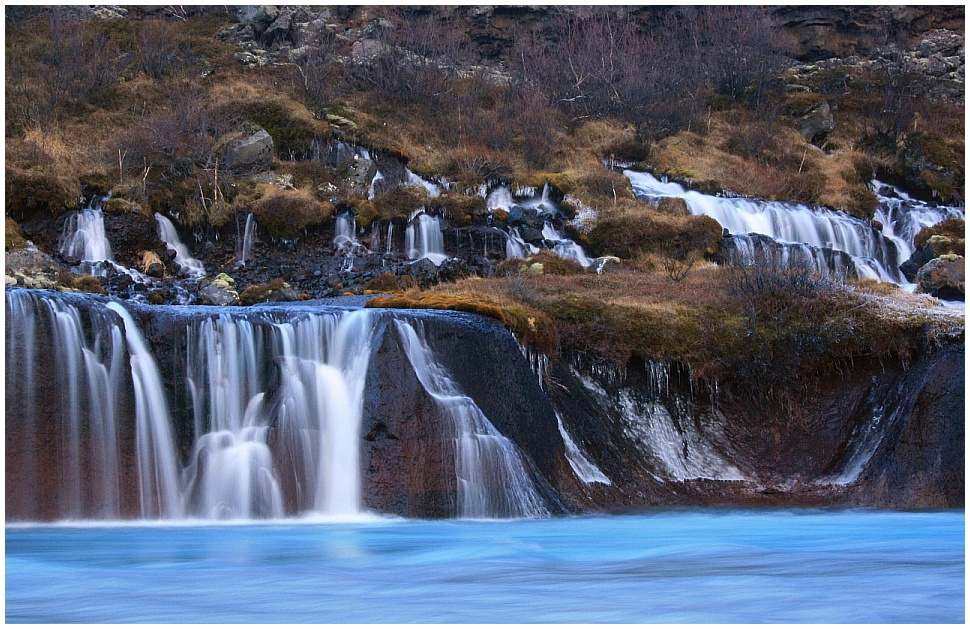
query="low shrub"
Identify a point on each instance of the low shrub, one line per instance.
(285, 213)
(952, 227)
(398, 203)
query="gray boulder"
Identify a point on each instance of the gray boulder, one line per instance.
(250, 154)
(31, 268)
(817, 123)
(424, 272)
(219, 292)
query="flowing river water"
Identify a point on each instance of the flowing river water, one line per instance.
(664, 566)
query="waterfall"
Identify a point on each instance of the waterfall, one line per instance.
(491, 478)
(313, 399)
(902, 217)
(672, 441)
(322, 392)
(433, 189)
(582, 467)
(345, 234)
(157, 475)
(371, 190)
(186, 263)
(390, 235)
(424, 239)
(564, 247)
(375, 237)
(244, 243)
(84, 237)
(253, 414)
(87, 371)
(794, 223)
(515, 247)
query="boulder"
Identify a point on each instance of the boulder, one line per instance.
(605, 264)
(151, 264)
(530, 234)
(817, 123)
(31, 268)
(219, 292)
(943, 277)
(453, 269)
(261, 15)
(424, 272)
(274, 291)
(251, 154)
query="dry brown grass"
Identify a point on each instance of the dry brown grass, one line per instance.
(764, 161)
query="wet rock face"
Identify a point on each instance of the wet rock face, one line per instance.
(920, 463)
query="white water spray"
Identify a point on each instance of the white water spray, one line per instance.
(491, 478)
(186, 263)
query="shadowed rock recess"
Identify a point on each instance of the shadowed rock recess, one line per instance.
(884, 436)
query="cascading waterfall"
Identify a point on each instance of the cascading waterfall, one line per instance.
(515, 247)
(259, 417)
(186, 263)
(390, 238)
(410, 178)
(345, 234)
(564, 247)
(501, 198)
(581, 466)
(244, 241)
(313, 399)
(157, 474)
(818, 228)
(322, 388)
(423, 238)
(491, 478)
(672, 441)
(84, 238)
(902, 216)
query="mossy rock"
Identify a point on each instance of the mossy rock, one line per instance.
(284, 213)
(398, 203)
(272, 291)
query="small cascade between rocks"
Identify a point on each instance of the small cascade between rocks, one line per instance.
(84, 238)
(817, 233)
(188, 265)
(423, 238)
(902, 217)
(581, 466)
(345, 234)
(244, 240)
(528, 207)
(492, 480)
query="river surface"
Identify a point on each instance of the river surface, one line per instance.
(671, 566)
